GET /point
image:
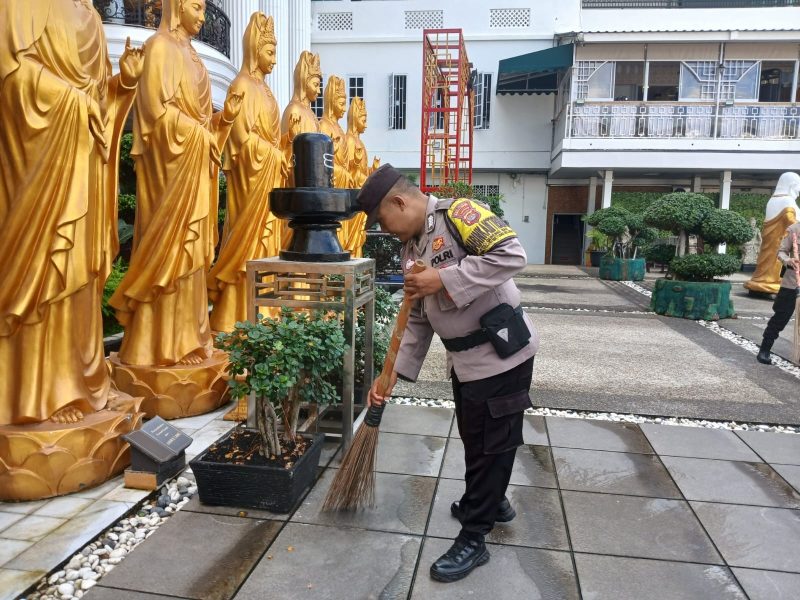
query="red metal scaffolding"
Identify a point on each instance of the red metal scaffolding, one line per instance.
(447, 110)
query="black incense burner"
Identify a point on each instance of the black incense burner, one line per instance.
(314, 207)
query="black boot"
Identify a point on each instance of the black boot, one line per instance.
(505, 512)
(459, 561)
(763, 353)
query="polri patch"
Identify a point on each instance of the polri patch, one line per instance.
(443, 259)
(438, 243)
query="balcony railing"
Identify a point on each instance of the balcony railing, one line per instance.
(687, 3)
(147, 13)
(663, 120)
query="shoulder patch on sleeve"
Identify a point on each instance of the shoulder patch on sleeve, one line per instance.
(480, 229)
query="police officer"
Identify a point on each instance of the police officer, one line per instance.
(786, 298)
(466, 296)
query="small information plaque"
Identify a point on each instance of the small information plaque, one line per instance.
(159, 440)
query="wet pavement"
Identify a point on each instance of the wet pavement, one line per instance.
(612, 511)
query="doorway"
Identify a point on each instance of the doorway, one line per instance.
(567, 245)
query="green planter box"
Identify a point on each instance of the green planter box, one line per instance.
(622, 269)
(708, 300)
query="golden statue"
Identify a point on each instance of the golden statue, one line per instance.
(254, 165)
(299, 118)
(334, 107)
(357, 165)
(162, 302)
(62, 113)
(782, 211)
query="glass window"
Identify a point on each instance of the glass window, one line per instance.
(776, 81)
(397, 112)
(316, 105)
(663, 81)
(699, 80)
(599, 84)
(740, 80)
(355, 87)
(483, 97)
(629, 80)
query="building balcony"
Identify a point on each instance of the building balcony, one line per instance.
(676, 135)
(147, 13)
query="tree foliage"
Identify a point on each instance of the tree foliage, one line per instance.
(679, 212)
(704, 267)
(627, 230)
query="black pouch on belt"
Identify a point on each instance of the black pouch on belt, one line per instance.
(506, 329)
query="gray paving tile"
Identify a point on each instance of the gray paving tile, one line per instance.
(613, 578)
(753, 536)
(13, 582)
(195, 506)
(636, 527)
(417, 420)
(23, 507)
(65, 507)
(781, 448)
(533, 465)
(613, 472)
(534, 430)
(11, 548)
(101, 490)
(542, 574)
(409, 454)
(597, 435)
(199, 556)
(768, 585)
(402, 505)
(790, 473)
(32, 528)
(314, 561)
(71, 536)
(697, 442)
(539, 522)
(8, 519)
(731, 481)
(99, 592)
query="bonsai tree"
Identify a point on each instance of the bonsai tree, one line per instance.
(685, 214)
(626, 230)
(283, 361)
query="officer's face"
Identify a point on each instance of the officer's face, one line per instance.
(396, 216)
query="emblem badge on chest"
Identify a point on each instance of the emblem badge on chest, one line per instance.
(438, 243)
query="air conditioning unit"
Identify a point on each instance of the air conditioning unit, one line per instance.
(679, 188)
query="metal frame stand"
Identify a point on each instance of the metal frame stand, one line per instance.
(274, 282)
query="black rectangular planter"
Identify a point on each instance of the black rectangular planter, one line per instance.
(257, 486)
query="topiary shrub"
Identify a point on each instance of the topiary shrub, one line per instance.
(725, 227)
(660, 253)
(704, 267)
(681, 213)
(627, 231)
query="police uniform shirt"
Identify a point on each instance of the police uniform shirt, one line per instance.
(476, 272)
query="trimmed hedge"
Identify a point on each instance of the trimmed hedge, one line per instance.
(725, 227)
(677, 211)
(704, 267)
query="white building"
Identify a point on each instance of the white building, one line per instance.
(653, 98)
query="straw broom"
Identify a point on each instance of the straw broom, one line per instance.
(354, 484)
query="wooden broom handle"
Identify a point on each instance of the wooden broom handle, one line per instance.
(397, 337)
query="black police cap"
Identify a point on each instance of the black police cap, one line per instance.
(375, 189)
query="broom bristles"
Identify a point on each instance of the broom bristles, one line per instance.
(353, 486)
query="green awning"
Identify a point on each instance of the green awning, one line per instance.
(535, 72)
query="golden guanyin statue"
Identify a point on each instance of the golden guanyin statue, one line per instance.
(62, 113)
(782, 211)
(254, 165)
(298, 117)
(358, 166)
(162, 302)
(334, 107)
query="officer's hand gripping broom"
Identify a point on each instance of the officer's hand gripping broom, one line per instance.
(354, 483)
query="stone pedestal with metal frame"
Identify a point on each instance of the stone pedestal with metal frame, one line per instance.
(274, 282)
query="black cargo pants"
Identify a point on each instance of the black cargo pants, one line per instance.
(489, 414)
(784, 309)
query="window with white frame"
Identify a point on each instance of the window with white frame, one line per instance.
(698, 80)
(355, 87)
(484, 191)
(483, 100)
(436, 120)
(740, 80)
(594, 80)
(317, 104)
(397, 100)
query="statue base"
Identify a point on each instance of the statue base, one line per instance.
(49, 459)
(174, 392)
(238, 413)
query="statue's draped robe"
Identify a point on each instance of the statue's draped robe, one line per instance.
(58, 213)
(253, 168)
(767, 276)
(341, 176)
(162, 301)
(354, 234)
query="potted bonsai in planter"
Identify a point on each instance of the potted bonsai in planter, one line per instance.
(283, 362)
(628, 233)
(694, 292)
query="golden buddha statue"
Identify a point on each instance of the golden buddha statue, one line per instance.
(781, 212)
(62, 113)
(254, 165)
(162, 302)
(334, 107)
(359, 169)
(299, 118)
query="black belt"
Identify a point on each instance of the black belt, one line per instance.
(459, 344)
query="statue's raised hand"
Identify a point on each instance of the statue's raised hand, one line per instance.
(376, 162)
(295, 123)
(233, 104)
(131, 64)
